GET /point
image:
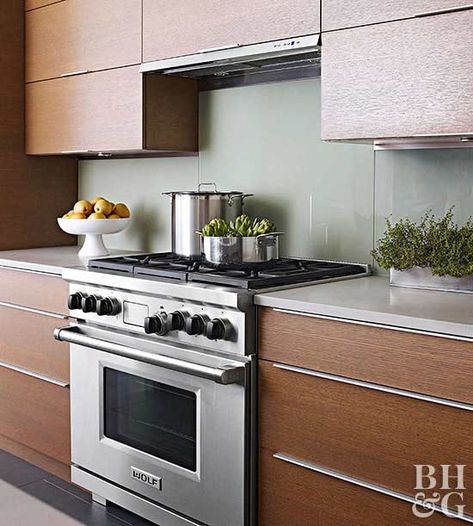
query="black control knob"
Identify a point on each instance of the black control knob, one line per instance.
(218, 329)
(178, 320)
(89, 303)
(157, 324)
(196, 324)
(108, 307)
(74, 301)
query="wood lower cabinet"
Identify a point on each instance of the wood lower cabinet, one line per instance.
(410, 78)
(440, 367)
(27, 342)
(117, 110)
(291, 495)
(342, 15)
(34, 290)
(180, 28)
(82, 35)
(347, 411)
(36, 414)
(369, 435)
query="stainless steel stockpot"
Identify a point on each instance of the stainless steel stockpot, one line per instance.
(190, 211)
(242, 250)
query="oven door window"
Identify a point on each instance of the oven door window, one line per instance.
(152, 417)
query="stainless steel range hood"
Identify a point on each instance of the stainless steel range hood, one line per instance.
(235, 60)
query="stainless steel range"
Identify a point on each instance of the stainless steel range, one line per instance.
(163, 383)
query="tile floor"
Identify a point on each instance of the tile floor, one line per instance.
(30, 496)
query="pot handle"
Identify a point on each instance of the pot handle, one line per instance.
(231, 197)
(270, 234)
(207, 184)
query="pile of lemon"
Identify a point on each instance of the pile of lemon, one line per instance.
(98, 208)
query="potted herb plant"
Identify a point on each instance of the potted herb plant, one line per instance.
(434, 253)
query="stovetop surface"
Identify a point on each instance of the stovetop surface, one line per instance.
(284, 271)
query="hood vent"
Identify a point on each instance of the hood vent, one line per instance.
(280, 55)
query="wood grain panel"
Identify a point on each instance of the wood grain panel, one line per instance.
(34, 191)
(69, 36)
(49, 464)
(399, 79)
(35, 4)
(27, 341)
(100, 111)
(171, 113)
(341, 15)
(178, 28)
(427, 364)
(36, 414)
(294, 496)
(34, 290)
(367, 434)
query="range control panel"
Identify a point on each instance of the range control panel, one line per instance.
(196, 324)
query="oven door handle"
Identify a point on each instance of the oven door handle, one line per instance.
(227, 375)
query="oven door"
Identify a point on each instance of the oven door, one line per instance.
(174, 433)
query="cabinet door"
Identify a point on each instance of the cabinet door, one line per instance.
(183, 27)
(400, 79)
(292, 495)
(341, 15)
(94, 112)
(82, 35)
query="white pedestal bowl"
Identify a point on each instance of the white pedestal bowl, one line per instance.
(93, 230)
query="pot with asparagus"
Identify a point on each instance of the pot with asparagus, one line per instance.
(243, 241)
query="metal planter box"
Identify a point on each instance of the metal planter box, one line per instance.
(422, 278)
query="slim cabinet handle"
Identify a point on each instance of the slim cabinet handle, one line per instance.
(33, 375)
(375, 387)
(72, 73)
(317, 468)
(444, 11)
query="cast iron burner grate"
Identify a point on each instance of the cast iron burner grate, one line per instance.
(284, 271)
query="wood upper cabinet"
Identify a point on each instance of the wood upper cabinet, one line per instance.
(117, 110)
(183, 27)
(337, 14)
(408, 78)
(82, 35)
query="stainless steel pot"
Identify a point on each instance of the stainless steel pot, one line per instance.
(190, 211)
(242, 250)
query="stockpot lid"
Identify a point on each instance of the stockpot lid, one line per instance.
(199, 192)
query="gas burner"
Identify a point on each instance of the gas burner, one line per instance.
(284, 271)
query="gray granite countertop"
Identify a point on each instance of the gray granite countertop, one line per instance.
(372, 300)
(49, 260)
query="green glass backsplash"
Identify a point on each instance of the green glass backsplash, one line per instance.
(265, 140)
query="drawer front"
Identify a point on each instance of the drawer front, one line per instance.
(36, 291)
(385, 81)
(370, 435)
(180, 28)
(36, 414)
(341, 15)
(292, 495)
(100, 111)
(436, 366)
(27, 341)
(67, 37)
